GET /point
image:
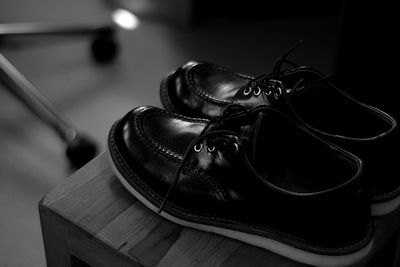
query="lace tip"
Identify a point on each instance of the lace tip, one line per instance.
(296, 45)
(278, 64)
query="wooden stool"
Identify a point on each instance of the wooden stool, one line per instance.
(91, 220)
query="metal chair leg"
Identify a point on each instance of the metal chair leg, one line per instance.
(80, 149)
(104, 48)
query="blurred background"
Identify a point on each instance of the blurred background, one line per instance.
(157, 37)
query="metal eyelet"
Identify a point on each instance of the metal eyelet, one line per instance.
(247, 91)
(278, 92)
(211, 149)
(257, 91)
(198, 147)
(269, 90)
(235, 147)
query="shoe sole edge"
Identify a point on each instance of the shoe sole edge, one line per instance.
(259, 241)
(384, 208)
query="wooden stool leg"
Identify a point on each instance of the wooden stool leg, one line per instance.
(396, 252)
(55, 239)
(67, 245)
(76, 262)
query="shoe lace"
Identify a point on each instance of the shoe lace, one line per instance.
(278, 64)
(231, 112)
(301, 84)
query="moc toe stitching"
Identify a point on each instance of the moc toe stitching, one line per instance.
(201, 93)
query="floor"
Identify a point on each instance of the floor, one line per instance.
(32, 159)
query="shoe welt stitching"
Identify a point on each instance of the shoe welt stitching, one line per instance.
(201, 93)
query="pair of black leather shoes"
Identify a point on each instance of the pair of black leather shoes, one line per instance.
(261, 160)
(200, 89)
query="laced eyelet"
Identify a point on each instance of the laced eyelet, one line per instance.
(211, 149)
(247, 91)
(257, 91)
(198, 147)
(269, 90)
(278, 92)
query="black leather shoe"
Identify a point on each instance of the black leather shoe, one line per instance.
(251, 175)
(200, 89)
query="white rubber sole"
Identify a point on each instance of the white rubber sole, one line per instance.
(255, 240)
(386, 207)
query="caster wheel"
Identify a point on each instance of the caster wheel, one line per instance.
(104, 48)
(80, 151)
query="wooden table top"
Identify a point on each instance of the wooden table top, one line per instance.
(94, 200)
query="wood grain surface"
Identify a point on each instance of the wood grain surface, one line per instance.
(104, 221)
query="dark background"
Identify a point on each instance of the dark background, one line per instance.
(358, 41)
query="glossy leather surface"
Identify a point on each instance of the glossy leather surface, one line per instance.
(206, 93)
(311, 100)
(228, 181)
